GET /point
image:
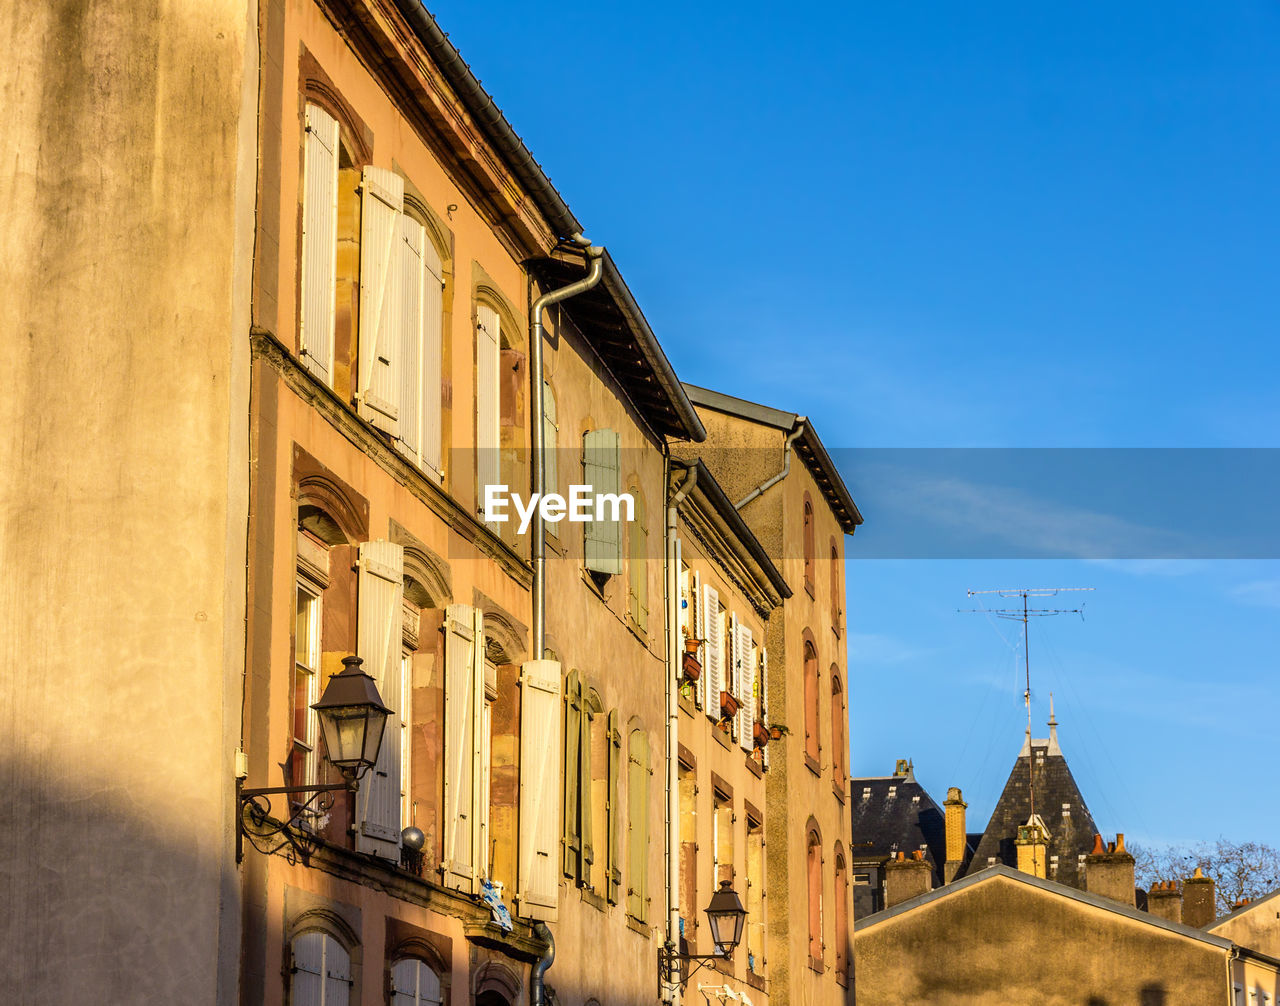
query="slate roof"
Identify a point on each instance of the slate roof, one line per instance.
(897, 815)
(1058, 802)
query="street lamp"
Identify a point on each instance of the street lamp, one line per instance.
(353, 719)
(726, 917)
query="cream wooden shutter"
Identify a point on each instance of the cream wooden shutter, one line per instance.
(488, 341)
(479, 751)
(413, 983)
(432, 356)
(337, 979)
(746, 678)
(733, 672)
(379, 633)
(378, 397)
(600, 463)
(614, 864)
(539, 881)
(307, 985)
(459, 682)
(550, 439)
(409, 356)
(638, 821)
(764, 694)
(319, 267)
(586, 793)
(714, 649)
(572, 837)
(697, 600)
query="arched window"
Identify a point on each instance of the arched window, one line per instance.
(837, 599)
(414, 983)
(320, 972)
(839, 726)
(814, 874)
(809, 547)
(842, 915)
(812, 744)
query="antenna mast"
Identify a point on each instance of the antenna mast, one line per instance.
(1023, 615)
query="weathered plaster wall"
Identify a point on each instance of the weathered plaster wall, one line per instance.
(124, 257)
(1002, 942)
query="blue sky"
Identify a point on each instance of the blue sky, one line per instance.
(946, 225)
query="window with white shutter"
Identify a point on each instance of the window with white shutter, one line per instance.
(414, 983)
(540, 747)
(319, 242)
(713, 626)
(381, 203)
(601, 462)
(459, 701)
(638, 773)
(550, 440)
(482, 671)
(320, 971)
(573, 804)
(379, 644)
(488, 401)
(698, 602)
(745, 677)
(764, 695)
(613, 874)
(421, 346)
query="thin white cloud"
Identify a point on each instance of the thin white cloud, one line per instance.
(877, 648)
(1264, 593)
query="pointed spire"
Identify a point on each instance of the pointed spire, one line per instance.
(1054, 749)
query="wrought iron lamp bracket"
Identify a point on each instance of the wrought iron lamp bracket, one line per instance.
(284, 832)
(671, 966)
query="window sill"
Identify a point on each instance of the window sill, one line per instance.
(638, 926)
(812, 764)
(838, 790)
(753, 768)
(815, 965)
(722, 738)
(843, 979)
(756, 981)
(687, 707)
(592, 899)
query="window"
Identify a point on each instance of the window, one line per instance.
(421, 348)
(313, 568)
(466, 805)
(809, 550)
(320, 971)
(688, 786)
(539, 830)
(550, 441)
(592, 813)
(638, 773)
(638, 565)
(319, 243)
(812, 743)
(712, 618)
(413, 983)
(814, 876)
(721, 839)
(835, 588)
(601, 461)
(755, 901)
(842, 916)
(839, 726)
(411, 617)
(743, 659)
(487, 400)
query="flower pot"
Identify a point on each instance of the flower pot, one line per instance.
(728, 705)
(776, 733)
(691, 645)
(761, 734)
(692, 669)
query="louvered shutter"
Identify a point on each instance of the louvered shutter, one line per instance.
(409, 358)
(488, 468)
(319, 265)
(539, 796)
(601, 462)
(699, 632)
(572, 838)
(432, 356)
(550, 440)
(380, 630)
(458, 867)
(614, 885)
(337, 980)
(746, 675)
(307, 984)
(764, 694)
(714, 650)
(638, 821)
(380, 297)
(733, 674)
(586, 793)
(479, 751)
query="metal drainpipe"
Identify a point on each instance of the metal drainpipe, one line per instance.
(538, 550)
(786, 466)
(673, 712)
(537, 988)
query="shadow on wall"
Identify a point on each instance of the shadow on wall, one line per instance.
(1148, 995)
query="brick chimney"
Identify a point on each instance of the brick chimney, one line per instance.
(1199, 906)
(1108, 871)
(906, 878)
(956, 836)
(1165, 900)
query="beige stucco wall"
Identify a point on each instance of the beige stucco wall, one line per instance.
(1002, 941)
(128, 194)
(1258, 927)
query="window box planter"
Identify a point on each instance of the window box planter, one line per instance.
(728, 705)
(691, 668)
(761, 735)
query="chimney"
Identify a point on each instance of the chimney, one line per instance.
(956, 837)
(1109, 871)
(906, 878)
(1165, 900)
(1033, 847)
(1199, 906)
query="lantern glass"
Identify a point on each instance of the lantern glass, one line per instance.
(727, 917)
(352, 718)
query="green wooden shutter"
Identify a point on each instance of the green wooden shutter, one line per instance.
(600, 470)
(572, 839)
(614, 864)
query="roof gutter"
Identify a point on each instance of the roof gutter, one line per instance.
(490, 119)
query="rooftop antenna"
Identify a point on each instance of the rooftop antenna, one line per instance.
(1023, 615)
